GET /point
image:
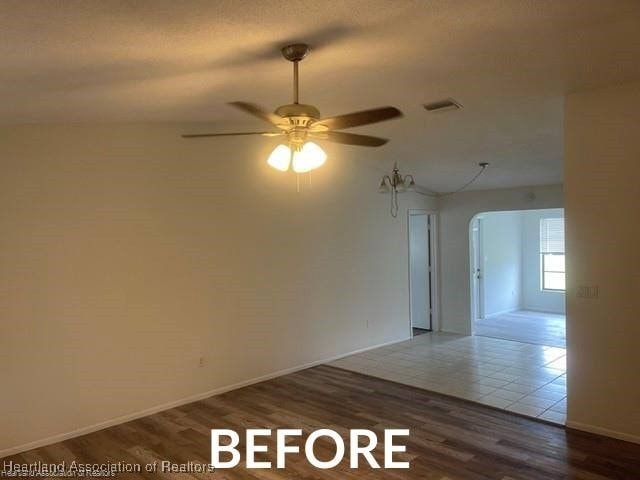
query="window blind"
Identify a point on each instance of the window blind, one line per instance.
(552, 235)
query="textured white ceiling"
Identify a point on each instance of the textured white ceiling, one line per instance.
(508, 62)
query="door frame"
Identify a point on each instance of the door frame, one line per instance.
(476, 259)
(433, 258)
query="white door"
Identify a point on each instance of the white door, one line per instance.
(476, 269)
(419, 270)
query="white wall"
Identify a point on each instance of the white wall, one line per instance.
(127, 253)
(533, 297)
(502, 252)
(455, 213)
(602, 172)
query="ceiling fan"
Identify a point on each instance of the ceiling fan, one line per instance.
(299, 123)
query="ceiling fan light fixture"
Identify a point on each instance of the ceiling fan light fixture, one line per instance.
(383, 187)
(310, 157)
(297, 122)
(280, 158)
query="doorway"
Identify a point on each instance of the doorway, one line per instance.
(477, 304)
(517, 276)
(421, 226)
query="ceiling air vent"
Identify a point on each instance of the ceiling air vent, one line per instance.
(445, 105)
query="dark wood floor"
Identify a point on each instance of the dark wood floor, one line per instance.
(419, 331)
(450, 438)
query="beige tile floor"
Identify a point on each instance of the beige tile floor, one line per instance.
(519, 377)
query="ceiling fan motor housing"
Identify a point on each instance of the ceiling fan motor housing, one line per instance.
(298, 113)
(300, 118)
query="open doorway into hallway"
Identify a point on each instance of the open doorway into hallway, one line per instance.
(518, 276)
(422, 271)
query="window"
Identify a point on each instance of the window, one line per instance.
(552, 254)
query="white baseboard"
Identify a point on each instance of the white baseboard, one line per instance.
(502, 312)
(177, 403)
(603, 431)
(544, 310)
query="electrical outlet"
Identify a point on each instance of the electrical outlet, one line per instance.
(587, 291)
(201, 362)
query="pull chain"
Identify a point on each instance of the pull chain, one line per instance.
(300, 183)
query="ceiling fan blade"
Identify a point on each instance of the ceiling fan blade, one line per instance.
(264, 134)
(350, 139)
(257, 111)
(356, 119)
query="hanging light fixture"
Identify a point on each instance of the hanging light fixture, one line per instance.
(394, 184)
